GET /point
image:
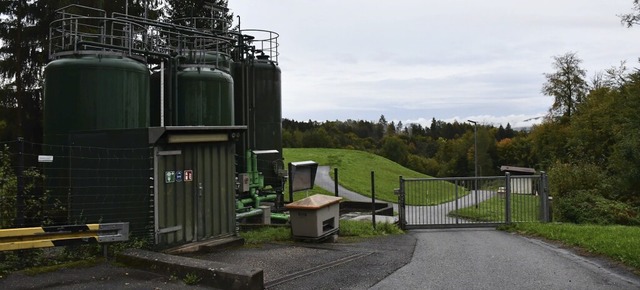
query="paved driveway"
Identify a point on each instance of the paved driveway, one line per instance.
(490, 259)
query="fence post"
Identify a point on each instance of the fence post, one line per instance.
(456, 190)
(335, 179)
(373, 199)
(19, 220)
(545, 204)
(290, 168)
(401, 202)
(507, 210)
(541, 199)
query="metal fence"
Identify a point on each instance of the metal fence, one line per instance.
(49, 185)
(472, 201)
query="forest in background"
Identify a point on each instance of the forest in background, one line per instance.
(443, 149)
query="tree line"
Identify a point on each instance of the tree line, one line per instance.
(441, 149)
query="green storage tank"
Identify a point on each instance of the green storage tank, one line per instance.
(258, 105)
(85, 93)
(93, 93)
(205, 98)
(204, 93)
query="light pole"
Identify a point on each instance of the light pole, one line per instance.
(475, 157)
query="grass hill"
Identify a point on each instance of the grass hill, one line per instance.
(354, 169)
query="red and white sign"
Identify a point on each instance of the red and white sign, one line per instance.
(188, 175)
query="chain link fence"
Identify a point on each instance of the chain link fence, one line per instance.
(55, 185)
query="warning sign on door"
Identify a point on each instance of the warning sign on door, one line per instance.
(188, 175)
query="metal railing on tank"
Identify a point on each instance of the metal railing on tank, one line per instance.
(80, 28)
(263, 43)
(198, 46)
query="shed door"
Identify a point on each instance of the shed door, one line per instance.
(194, 192)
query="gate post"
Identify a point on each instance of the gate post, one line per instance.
(507, 210)
(402, 219)
(544, 198)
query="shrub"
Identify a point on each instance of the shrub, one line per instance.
(583, 194)
(588, 207)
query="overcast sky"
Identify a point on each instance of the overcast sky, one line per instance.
(413, 60)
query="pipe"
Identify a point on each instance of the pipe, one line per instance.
(239, 204)
(254, 212)
(162, 94)
(280, 216)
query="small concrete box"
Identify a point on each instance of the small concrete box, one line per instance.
(315, 217)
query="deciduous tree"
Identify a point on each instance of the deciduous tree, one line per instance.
(567, 85)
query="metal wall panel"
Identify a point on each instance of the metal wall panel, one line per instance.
(195, 192)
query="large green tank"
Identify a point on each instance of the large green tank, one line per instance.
(87, 93)
(204, 93)
(258, 105)
(93, 93)
(205, 98)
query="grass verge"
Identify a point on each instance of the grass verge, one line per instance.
(348, 228)
(620, 243)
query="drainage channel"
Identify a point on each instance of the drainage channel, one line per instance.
(315, 269)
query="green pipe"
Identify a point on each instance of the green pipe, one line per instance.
(280, 216)
(269, 197)
(246, 201)
(239, 204)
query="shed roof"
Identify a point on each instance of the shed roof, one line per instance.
(522, 170)
(315, 201)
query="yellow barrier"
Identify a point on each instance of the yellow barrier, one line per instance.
(53, 236)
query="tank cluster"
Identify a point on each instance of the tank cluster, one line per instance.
(122, 72)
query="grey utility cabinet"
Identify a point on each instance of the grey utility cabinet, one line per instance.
(315, 217)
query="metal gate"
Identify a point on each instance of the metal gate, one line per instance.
(472, 201)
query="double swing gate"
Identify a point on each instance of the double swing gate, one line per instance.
(473, 201)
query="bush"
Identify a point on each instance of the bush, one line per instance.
(583, 194)
(588, 207)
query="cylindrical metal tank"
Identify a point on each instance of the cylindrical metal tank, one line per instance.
(92, 93)
(258, 105)
(205, 98)
(87, 93)
(199, 93)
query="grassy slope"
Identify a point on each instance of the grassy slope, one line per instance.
(354, 170)
(621, 243)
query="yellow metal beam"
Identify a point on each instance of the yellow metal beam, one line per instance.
(40, 237)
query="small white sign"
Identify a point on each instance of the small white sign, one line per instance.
(45, 158)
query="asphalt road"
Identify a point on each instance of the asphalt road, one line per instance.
(490, 259)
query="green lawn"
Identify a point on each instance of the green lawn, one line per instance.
(524, 208)
(621, 243)
(354, 173)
